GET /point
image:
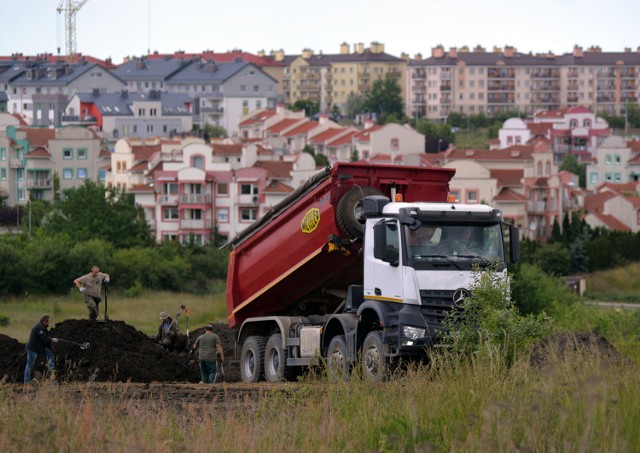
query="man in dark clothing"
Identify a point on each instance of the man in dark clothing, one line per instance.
(168, 333)
(209, 345)
(40, 343)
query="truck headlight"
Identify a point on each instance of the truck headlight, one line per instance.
(412, 333)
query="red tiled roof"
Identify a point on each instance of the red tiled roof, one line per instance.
(264, 151)
(140, 188)
(507, 194)
(539, 128)
(384, 158)
(365, 135)
(39, 152)
(508, 177)
(227, 150)
(595, 202)
(633, 145)
(259, 117)
(38, 136)
(301, 129)
(635, 201)
(140, 166)
(343, 140)
(283, 124)
(560, 113)
(611, 222)
(619, 187)
(144, 152)
(225, 57)
(517, 152)
(326, 135)
(277, 187)
(276, 169)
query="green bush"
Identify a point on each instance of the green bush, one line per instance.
(12, 269)
(535, 292)
(489, 322)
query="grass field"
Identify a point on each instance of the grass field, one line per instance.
(18, 315)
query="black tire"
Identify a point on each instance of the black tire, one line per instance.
(252, 359)
(348, 213)
(374, 362)
(338, 366)
(275, 360)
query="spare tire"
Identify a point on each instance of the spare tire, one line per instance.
(348, 212)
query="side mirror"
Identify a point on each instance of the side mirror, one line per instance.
(514, 243)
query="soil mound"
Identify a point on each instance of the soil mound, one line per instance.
(117, 352)
(569, 345)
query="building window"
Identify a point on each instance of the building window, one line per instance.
(3, 174)
(170, 214)
(616, 159)
(81, 153)
(472, 196)
(593, 178)
(170, 188)
(169, 237)
(81, 173)
(617, 178)
(222, 189)
(222, 215)
(455, 194)
(248, 189)
(67, 173)
(256, 88)
(197, 162)
(248, 214)
(67, 153)
(243, 88)
(3, 154)
(607, 159)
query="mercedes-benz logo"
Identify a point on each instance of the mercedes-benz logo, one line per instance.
(459, 295)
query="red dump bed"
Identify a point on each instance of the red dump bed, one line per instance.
(282, 265)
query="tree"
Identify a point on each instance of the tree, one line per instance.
(571, 164)
(354, 105)
(321, 159)
(213, 131)
(355, 155)
(384, 99)
(310, 108)
(93, 212)
(437, 136)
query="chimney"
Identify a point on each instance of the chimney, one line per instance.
(279, 55)
(360, 48)
(404, 56)
(627, 50)
(437, 51)
(453, 52)
(279, 108)
(479, 49)
(261, 53)
(595, 49)
(509, 51)
(344, 49)
(323, 118)
(307, 53)
(577, 51)
(497, 49)
(417, 57)
(464, 49)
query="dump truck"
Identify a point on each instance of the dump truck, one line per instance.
(359, 266)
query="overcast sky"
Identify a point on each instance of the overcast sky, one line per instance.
(118, 28)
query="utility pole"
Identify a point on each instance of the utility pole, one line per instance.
(70, 9)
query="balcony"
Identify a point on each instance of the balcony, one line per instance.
(418, 75)
(493, 98)
(195, 199)
(497, 85)
(195, 224)
(168, 200)
(419, 86)
(445, 75)
(546, 74)
(217, 110)
(445, 87)
(248, 200)
(501, 73)
(78, 120)
(16, 163)
(37, 184)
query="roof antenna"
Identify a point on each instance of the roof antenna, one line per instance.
(149, 29)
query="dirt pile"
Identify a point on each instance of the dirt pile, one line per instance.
(567, 345)
(117, 352)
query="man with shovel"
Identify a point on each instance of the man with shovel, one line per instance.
(89, 285)
(40, 343)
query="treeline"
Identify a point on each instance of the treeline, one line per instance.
(92, 225)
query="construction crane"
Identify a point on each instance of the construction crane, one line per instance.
(70, 9)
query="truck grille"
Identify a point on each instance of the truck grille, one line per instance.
(436, 305)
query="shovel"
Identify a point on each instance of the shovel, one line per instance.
(82, 345)
(106, 316)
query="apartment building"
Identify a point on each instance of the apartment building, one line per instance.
(616, 161)
(39, 89)
(220, 92)
(328, 79)
(29, 158)
(480, 81)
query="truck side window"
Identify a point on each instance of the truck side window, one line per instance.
(387, 242)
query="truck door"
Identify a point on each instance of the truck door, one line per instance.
(383, 266)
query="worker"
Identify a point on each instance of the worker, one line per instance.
(40, 343)
(167, 331)
(208, 343)
(421, 240)
(90, 285)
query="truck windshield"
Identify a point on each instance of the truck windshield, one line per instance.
(444, 243)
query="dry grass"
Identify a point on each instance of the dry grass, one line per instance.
(583, 404)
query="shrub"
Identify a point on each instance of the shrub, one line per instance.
(534, 291)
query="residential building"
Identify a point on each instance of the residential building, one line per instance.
(136, 115)
(616, 161)
(29, 158)
(40, 89)
(220, 92)
(570, 130)
(614, 207)
(476, 81)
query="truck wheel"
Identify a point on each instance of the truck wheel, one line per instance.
(348, 212)
(275, 359)
(374, 363)
(252, 359)
(337, 363)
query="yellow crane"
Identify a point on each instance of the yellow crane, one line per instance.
(70, 9)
